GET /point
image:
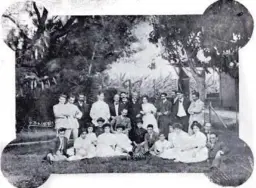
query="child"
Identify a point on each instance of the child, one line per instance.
(161, 147)
(99, 128)
(150, 138)
(106, 143)
(123, 146)
(59, 153)
(217, 150)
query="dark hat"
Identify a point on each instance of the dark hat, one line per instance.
(62, 129)
(101, 120)
(196, 123)
(120, 126)
(139, 120)
(150, 126)
(177, 126)
(106, 125)
(165, 94)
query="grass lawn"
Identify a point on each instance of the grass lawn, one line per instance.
(23, 167)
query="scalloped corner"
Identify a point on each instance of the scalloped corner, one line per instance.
(224, 170)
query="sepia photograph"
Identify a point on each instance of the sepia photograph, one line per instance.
(127, 94)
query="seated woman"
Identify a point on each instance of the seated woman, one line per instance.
(123, 143)
(91, 139)
(106, 143)
(161, 147)
(195, 150)
(139, 137)
(83, 148)
(177, 139)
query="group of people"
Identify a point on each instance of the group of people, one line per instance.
(170, 129)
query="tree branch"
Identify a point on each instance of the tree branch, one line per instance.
(65, 29)
(37, 13)
(13, 21)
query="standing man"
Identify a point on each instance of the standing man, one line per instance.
(180, 110)
(100, 109)
(114, 107)
(164, 114)
(196, 111)
(124, 103)
(85, 109)
(60, 113)
(134, 113)
(74, 114)
(174, 96)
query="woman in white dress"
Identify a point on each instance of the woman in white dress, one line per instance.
(161, 147)
(106, 143)
(148, 112)
(91, 138)
(124, 144)
(171, 135)
(195, 150)
(178, 140)
(81, 149)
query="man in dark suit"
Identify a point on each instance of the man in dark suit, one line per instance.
(164, 109)
(58, 152)
(150, 138)
(134, 109)
(173, 96)
(124, 104)
(180, 110)
(85, 109)
(114, 107)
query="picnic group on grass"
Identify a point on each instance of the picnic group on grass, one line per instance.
(173, 129)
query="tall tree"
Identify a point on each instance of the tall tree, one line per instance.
(212, 40)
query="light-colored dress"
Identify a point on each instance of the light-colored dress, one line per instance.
(177, 141)
(91, 139)
(163, 147)
(199, 152)
(149, 117)
(171, 138)
(106, 145)
(196, 111)
(80, 149)
(99, 109)
(74, 114)
(123, 143)
(60, 112)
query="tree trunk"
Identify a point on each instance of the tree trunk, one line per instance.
(201, 87)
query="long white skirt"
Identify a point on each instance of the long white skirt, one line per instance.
(87, 153)
(193, 155)
(119, 150)
(105, 151)
(150, 119)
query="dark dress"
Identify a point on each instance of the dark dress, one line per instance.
(164, 120)
(139, 135)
